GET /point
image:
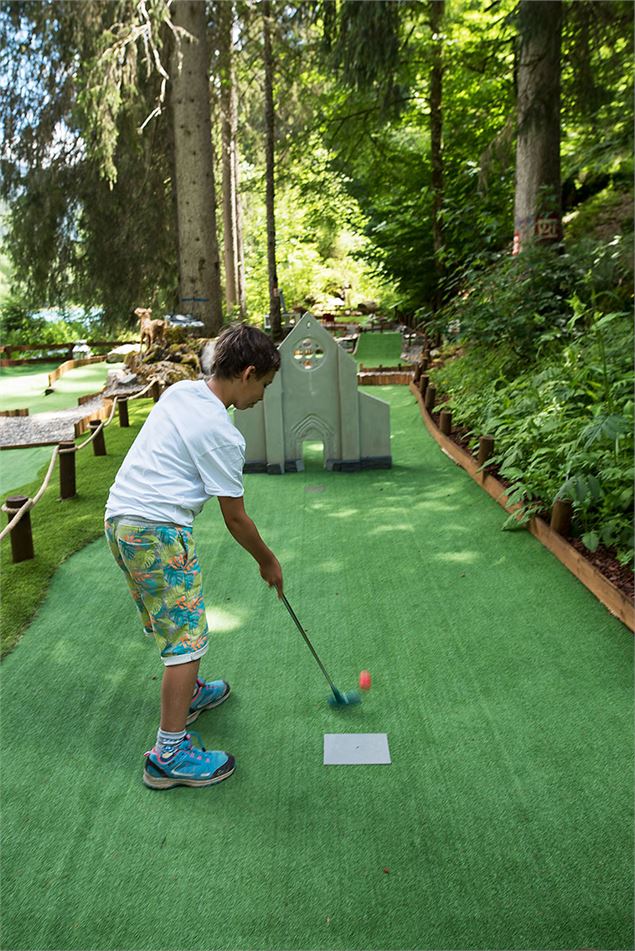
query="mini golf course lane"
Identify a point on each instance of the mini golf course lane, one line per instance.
(375, 349)
(22, 386)
(503, 685)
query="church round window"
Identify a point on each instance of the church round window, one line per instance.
(308, 354)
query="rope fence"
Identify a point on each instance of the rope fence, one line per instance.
(18, 507)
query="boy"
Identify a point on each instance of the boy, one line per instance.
(187, 451)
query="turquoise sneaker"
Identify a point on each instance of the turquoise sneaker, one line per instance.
(187, 766)
(208, 694)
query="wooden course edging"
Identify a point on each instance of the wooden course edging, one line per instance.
(611, 597)
(72, 365)
(384, 376)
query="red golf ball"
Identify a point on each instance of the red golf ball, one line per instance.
(364, 680)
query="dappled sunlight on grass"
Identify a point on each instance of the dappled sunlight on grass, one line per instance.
(435, 506)
(454, 527)
(330, 567)
(221, 620)
(24, 379)
(390, 528)
(464, 557)
(343, 513)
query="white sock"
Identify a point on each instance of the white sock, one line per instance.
(168, 742)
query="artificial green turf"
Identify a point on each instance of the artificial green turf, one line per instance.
(21, 386)
(19, 466)
(59, 528)
(377, 349)
(504, 687)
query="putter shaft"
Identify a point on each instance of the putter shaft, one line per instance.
(310, 646)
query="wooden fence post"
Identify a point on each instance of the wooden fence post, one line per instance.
(425, 363)
(485, 450)
(99, 443)
(67, 470)
(561, 514)
(423, 383)
(431, 393)
(122, 406)
(156, 391)
(445, 422)
(21, 535)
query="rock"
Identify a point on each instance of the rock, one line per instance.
(206, 356)
(121, 377)
(166, 372)
(117, 354)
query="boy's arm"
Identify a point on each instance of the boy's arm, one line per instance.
(246, 534)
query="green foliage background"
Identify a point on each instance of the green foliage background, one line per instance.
(544, 363)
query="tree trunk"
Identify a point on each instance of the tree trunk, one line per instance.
(274, 291)
(238, 218)
(199, 265)
(174, 281)
(537, 207)
(437, 9)
(226, 16)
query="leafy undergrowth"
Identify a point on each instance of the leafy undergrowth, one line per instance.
(562, 425)
(545, 366)
(603, 558)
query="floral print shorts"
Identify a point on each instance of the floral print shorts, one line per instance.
(164, 577)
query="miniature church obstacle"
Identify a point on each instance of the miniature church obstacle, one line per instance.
(314, 396)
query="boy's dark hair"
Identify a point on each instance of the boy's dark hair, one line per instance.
(240, 346)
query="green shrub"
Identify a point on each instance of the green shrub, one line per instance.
(527, 301)
(562, 424)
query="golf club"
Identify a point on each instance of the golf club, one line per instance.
(340, 699)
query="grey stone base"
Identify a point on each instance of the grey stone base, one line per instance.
(254, 467)
(336, 465)
(370, 462)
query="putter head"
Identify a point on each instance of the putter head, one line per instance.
(347, 699)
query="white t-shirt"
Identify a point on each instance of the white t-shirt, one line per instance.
(188, 450)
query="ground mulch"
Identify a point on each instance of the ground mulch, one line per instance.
(605, 561)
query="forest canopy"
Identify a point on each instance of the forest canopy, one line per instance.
(88, 158)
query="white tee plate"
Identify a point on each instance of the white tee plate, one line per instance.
(354, 749)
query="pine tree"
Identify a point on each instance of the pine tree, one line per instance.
(199, 264)
(274, 291)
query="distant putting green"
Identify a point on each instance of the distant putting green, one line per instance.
(23, 386)
(505, 688)
(377, 349)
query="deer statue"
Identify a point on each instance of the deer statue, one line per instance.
(151, 330)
